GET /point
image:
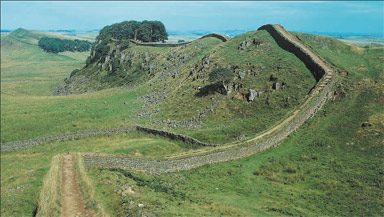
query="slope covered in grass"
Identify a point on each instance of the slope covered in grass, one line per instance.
(332, 166)
(315, 172)
(176, 89)
(257, 66)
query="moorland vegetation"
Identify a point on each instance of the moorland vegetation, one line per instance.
(332, 165)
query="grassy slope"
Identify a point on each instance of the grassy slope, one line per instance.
(236, 117)
(331, 166)
(42, 114)
(28, 74)
(22, 172)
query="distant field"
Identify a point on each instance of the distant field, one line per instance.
(363, 40)
(84, 35)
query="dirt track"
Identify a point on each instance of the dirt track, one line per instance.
(72, 202)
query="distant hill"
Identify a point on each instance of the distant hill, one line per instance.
(23, 44)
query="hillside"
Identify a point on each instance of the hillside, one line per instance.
(22, 59)
(178, 94)
(329, 160)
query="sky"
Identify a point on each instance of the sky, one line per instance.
(184, 16)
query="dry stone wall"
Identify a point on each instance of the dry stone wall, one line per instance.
(307, 111)
(223, 38)
(17, 145)
(173, 136)
(284, 43)
(13, 146)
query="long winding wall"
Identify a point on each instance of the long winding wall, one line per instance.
(322, 93)
(310, 60)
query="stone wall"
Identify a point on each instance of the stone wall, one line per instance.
(173, 136)
(223, 38)
(154, 166)
(284, 43)
(308, 110)
(12, 146)
(17, 145)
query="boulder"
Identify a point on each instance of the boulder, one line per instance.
(146, 57)
(242, 75)
(252, 95)
(122, 58)
(276, 85)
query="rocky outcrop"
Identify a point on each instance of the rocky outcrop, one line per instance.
(159, 44)
(252, 95)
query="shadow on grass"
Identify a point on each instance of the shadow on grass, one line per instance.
(210, 89)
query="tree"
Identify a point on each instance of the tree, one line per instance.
(158, 31)
(221, 75)
(144, 32)
(56, 45)
(148, 31)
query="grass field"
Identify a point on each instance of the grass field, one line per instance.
(331, 166)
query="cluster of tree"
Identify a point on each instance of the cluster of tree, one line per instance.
(222, 76)
(56, 45)
(146, 31)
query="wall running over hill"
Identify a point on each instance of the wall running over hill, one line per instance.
(287, 45)
(153, 166)
(223, 38)
(323, 93)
